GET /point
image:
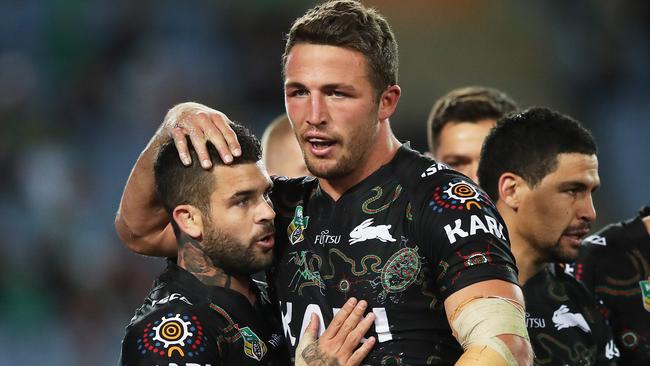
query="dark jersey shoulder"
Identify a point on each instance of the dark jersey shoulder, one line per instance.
(563, 321)
(614, 263)
(183, 322)
(173, 332)
(467, 238)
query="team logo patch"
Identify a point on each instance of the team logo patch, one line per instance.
(296, 228)
(365, 231)
(254, 347)
(174, 335)
(645, 293)
(562, 318)
(458, 195)
(433, 169)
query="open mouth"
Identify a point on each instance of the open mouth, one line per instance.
(267, 241)
(576, 236)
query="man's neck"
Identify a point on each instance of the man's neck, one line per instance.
(194, 260)
(379, 154)
(529, 262)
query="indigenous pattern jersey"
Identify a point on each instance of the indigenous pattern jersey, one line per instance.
(564, 323)
(614, 264)
(184, 322)
(403, 239)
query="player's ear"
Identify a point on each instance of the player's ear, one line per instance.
(189, 220)
(511, 189)
(388, 101)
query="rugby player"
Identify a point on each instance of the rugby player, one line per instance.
(204, 309)
(614, 263)
(459, 122)
(541, 168)
(420, 242)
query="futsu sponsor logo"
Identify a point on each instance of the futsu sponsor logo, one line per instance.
(324, 238)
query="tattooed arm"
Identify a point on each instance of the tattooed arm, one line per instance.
(338, 344)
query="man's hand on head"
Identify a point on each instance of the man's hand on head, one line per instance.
(201, 124)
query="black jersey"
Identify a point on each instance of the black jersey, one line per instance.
(184, 322)
(403, 239)
(615, 264)
(564, 323)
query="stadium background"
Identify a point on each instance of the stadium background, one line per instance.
(83, 85)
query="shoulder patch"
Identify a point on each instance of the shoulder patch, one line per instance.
(173, 335)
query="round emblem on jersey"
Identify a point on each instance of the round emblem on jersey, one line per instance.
(344, 285)
(459, 195)
(401, 270)
(462, 191)
(173, 335)
(172, 331)
(630, 339)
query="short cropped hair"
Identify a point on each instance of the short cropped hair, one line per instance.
(527, 144)
(467, 104)
(177, 184)
(348, 24)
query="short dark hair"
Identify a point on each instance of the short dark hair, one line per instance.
(527, 144)
(348, 24)
(177, 184)
(467, 104)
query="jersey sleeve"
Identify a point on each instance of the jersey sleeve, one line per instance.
(170, 335)
(463, 234)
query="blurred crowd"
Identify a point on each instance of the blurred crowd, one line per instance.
(84, 83)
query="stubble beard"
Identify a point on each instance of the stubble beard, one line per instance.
(233, 256)
(354, 153)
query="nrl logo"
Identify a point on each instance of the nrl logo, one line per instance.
(297, 226)
(645, 293)
(254, 347)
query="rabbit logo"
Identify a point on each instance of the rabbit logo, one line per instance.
(562, 318)
(365, 231)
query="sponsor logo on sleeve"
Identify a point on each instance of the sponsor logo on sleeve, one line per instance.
(365, 231)
(171, 297)
(464, 227)
(563, 318)
(433, 169)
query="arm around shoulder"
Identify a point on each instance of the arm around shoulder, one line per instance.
(141, 221)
